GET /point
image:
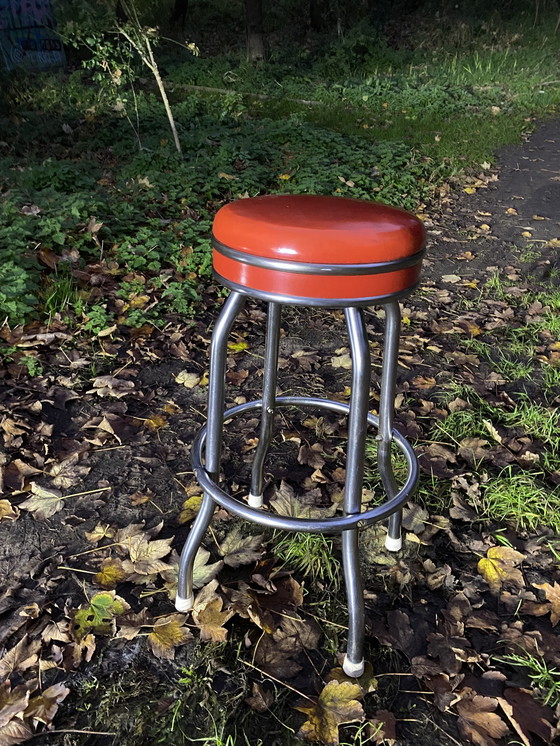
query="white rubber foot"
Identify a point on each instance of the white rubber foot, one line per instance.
(353, 669)
(255, 501)
(393, 545)
(184, 604)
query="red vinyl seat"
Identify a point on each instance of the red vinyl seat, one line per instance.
(317, 250)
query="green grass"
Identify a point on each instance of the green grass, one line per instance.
(311, 554)
(521, 500)
(545, 679)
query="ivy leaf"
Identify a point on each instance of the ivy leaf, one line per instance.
(499, 567)
(44, 503)
(337, 704)
(168, 633)
(552, 593)
(238, 550)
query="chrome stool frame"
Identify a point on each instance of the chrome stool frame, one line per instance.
(208, 443)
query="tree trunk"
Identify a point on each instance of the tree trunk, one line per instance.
(255, 31)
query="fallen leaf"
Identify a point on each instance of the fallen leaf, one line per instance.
(337, 704)
(261, 699)
(499, 567)
(21, 657)
(286, 502)
(531, 716)
(478, 721)
(385, 724)
(552, 593)
(188, 380)
(43, 707)
(8, 511)
(12, 702)
(14, 732)
(203, 573)
(111, 574)
(167, 634)
(44, 503)
(189, 509)
(99, 615)
(208, 615)
(238, 550)
(145, 555)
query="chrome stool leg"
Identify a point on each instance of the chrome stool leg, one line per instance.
(216, 396)
(357, 431)
(269, 403)
(393, 541)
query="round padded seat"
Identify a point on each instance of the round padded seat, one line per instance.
(317, 250)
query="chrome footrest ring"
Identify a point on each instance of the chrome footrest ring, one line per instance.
(332, 525)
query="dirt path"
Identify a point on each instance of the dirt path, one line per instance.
(125, 440)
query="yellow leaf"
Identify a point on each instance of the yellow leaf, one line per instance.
(499, 567)
(156, 422)
(469, 190)
(110, 575)
(168, 633)
(228, 177)
(188, 380)
(8, 511)
(511, 211)
(527, 234)
(337, 704)
(237, 346)
(190, 509)
(285, 177)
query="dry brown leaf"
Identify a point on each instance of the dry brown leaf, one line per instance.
(167, 634)
(20, 657)
(337, 704)
(238, 550)
(145, 555)
(8, 511)
(14, 732)
(110, 386)
(530, 716)
(12, 701)
(44, 503)
(478, 721)
(67, 473)
(552, 593)
(208, 615)
(499, 567)
(385, 725)
(286, 502)
(43, 707)
(261, 699)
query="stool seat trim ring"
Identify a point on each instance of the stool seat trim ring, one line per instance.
(311, 268)
(326, 525)
(297, 300)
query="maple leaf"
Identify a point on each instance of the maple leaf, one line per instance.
(99, 616)
(12, 702)
(101, 531)
(552, 593)
(274, 656)
(145, 555)
(8, 511)
(44, 503)
(478, 721)
(385, 724)
(261, 699)
(337, 704)
(188, 380)
(14, 732)
(110, 574)
(367, 681)
(43, 707)
(203, 573)
(286, 502)
(208, 615)
(238, 550)
(20, 657)
(130, 625)
(167, 634)
(67, 473)
(498, 567)
(189, 509)
(527, 715)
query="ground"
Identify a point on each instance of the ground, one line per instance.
(440, 626)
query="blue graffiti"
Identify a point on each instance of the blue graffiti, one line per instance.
(28, 35)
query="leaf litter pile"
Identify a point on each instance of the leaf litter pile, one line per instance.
(98, 497)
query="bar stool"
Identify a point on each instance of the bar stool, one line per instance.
(309, 250)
